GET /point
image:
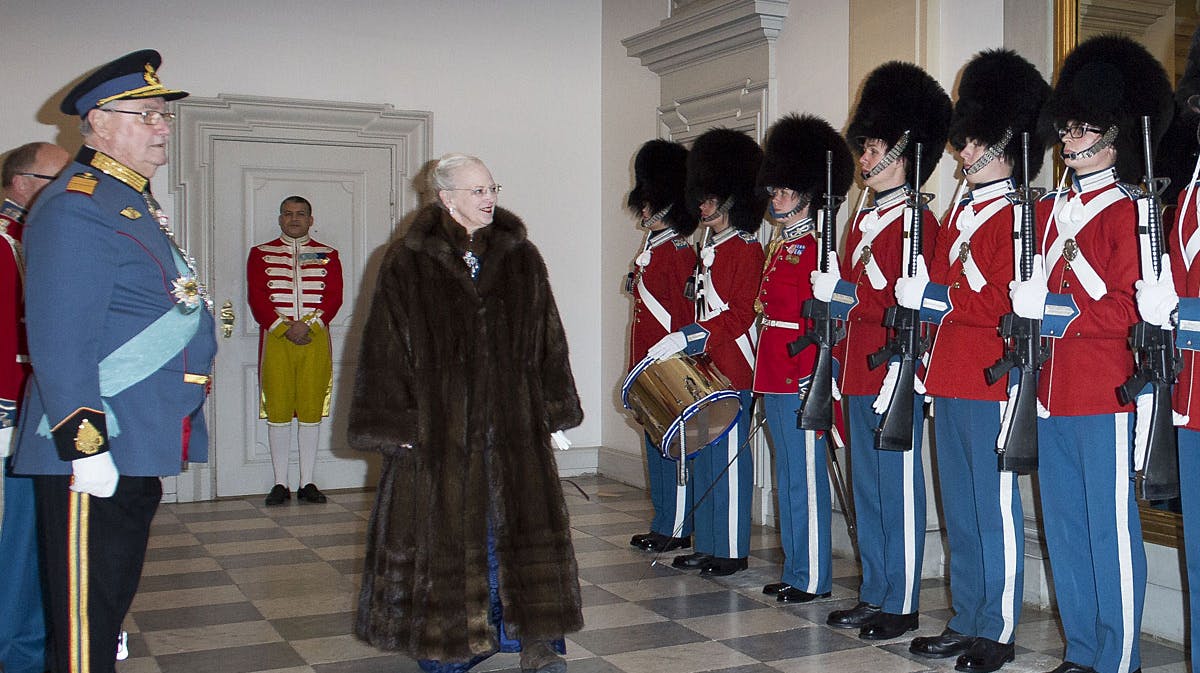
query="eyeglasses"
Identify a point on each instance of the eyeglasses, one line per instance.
(782, 191)
(1077, 131)
(37, 175)
(477, 192)
(149, 117)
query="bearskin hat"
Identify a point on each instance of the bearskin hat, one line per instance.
(794, 157)
(1110, 80)
(660, 176)
(898, 97)
(724, 163)
(1001, 91)
(1176, 156)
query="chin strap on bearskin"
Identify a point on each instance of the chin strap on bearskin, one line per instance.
(990, 153)
(1105, 141)
(654, 219)
(800, 205)
(722, 209)
(888, 159)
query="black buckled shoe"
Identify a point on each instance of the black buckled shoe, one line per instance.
(719, 566)
(853, 618)
(279, 494)
(640, 540)
(950, 644)
(774, 588)
(310, 493)
(663, 543)
(794, 595)
(985, 656)
(691, 561)
(888, 625)
(1072, 667)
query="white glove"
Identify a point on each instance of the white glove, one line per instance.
(884, 398)
(95, 475)
(560, 440)
(1029, 296)
(1157, 300)
(668, 346)
(6, 440)
(823, 284)
(910, 291)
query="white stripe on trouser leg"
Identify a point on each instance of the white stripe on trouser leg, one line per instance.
(1124, 553)
(681, 507)
(814, 537)
(731, 458)
(910, 530)
(1010, 555)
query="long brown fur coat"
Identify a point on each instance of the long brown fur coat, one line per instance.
(459, 386)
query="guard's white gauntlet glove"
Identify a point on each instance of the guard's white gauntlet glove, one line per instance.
(95, 475)
(1157, 300)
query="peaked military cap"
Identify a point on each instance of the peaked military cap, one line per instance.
(134, 75)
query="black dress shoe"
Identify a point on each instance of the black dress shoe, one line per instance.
(951, 643)
(888, 625)
(719, 566)
(663, 543)
(691, 561)
(310, 493)
(985, 656)
(774, 588)
(853, 618)
(1072, 667)
(794, 595)
(640, 540)
(279, 494)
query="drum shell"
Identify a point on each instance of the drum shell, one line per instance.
(684, 403)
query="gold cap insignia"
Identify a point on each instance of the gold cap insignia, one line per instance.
(151, 76)
(88, 440)
(131, 212)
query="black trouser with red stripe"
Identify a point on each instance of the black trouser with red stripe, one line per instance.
(92, 554)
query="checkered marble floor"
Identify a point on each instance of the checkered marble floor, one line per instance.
(234, 587)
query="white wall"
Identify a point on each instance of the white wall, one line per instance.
(516, 82)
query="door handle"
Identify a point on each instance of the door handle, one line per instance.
(227, 319)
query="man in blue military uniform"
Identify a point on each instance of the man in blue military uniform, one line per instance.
(121, 341)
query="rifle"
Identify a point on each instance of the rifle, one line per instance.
(896, 428)
(816, 410)
(1017, 446)
(1157, 363)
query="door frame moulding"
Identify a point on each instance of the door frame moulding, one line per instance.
(203, 122)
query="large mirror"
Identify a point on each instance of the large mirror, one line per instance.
(1165, 27)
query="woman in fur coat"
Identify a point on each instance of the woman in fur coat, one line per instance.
(462, 379)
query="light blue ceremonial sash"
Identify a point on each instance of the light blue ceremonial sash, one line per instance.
(145, 353)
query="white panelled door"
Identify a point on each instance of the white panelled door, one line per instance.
(350, 188)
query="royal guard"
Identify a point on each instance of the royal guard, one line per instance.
(901, 107)
(794, 175)
(1174, 303)
(661, 306)
(964, 293)
(721, 171)
(1083, 292)
(294, 285)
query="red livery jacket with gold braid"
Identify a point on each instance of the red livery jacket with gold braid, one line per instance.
(967, 340)
(730, 285)
(663, 278)
(1092, 357)
(293, 279)
(1187, 284)
(785, 285)
(14, 354)
(865, 332)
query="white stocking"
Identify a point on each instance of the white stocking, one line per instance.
(307, 438)
(279, 437)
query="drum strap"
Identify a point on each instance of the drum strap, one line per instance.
(656, 309)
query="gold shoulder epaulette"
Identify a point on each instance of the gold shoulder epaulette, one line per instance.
(82, 183)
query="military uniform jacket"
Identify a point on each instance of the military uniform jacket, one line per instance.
(730, 284)
(874, 275)
(785, 286)
(101, 271)
(294, 279)
(977, 276)
(1091, 359)
(1187, 284)
(14, 354)
(657, 290)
